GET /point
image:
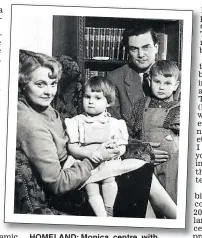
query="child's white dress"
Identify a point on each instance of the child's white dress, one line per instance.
(86, 130)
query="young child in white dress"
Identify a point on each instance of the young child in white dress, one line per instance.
(94, 134)
(93, 128)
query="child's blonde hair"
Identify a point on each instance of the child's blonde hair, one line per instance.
(166, 68)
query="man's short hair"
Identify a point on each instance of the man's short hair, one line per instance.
(138, 30)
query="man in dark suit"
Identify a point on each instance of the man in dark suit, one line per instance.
(131, 83)
(131, 80)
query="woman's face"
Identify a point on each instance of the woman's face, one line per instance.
(41, 89)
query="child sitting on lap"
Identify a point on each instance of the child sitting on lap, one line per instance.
(95, 133)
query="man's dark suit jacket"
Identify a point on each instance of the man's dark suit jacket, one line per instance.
(128, 90)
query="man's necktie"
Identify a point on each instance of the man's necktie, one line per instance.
(145, 84)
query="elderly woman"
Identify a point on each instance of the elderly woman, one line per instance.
(42, 184)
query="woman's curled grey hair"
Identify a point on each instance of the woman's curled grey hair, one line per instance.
(34, 62)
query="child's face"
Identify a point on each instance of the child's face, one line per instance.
(163, 87)
(94, 103)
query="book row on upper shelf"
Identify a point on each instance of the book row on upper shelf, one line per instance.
(106, 43)
(91, 73)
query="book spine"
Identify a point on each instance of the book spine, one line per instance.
(119, 38)
(111, 41)
(92, 43)
(107, 42)
(114, 43)
(97, 42)
(86, 42)
(93, 73)
(102, 73)
(162, 46)
(123, 52)
(102, 41)
(86, 74)
(123, 48)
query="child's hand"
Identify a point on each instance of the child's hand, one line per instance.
(112, 145)
(108, 153)
(118, 153)
(96, 157)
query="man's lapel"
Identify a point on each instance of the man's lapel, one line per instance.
(133, 86)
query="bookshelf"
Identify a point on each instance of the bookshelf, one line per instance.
(86, 39)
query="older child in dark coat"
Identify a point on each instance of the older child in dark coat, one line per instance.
(157, 119)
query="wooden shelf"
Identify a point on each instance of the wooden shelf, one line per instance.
(103, 65)
(110, 61)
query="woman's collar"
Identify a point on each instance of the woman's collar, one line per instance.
(49, 113)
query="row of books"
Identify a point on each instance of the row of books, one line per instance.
(104, 42)
(90, 73)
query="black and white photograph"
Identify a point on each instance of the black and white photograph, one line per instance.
(98, 116)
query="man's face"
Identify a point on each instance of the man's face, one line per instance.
(142, 51)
